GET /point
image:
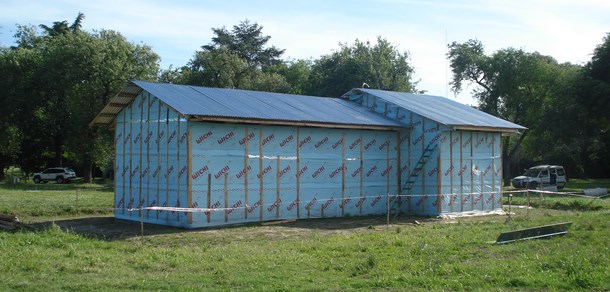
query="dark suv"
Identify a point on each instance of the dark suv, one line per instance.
(59, 174)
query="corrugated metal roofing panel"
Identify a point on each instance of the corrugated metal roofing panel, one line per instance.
(246, 104)
(440, 109)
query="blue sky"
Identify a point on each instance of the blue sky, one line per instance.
(565, 30)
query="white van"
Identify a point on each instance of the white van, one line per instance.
(541, 176)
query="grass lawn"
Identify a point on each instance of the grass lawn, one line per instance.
(74, 244)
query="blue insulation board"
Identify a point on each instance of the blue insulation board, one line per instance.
(250, 172)
(463, 172)
(247, 172)
(260, 173)
(151, 162)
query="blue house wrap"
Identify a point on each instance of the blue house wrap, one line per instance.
(194, 157)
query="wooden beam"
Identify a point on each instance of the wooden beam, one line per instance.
(295, 123)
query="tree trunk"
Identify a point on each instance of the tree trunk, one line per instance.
(508, 159)
(87, 170)
(57, 149)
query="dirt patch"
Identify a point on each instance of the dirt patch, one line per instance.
(108, 228)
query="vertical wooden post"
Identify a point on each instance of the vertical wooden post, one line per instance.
(226, 191)
(398, 170)
(409, 162)
(277, 191)
(424, 199)
(148, 154)
(493, 172)
(130, 157)
(298, 199)
(461, 176)
(124, 161)
(189, 170)
(167, 163)
(260, 172)
(361, 171)
(387, 166)
(451, 165)
(209, 205)
(343, 174)
(158, 154)
(140, 121)
(246, 172)
(471, 168)
(439, 196)
(178, 135)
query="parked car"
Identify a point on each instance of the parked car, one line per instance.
(59, 174)
(541, 175)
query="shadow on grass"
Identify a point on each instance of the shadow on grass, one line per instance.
(110, 229)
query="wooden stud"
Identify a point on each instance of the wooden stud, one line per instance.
(461, 176)
(189, 170)
(148, 153)
(130, 156)
(343, 174)
(178, 165)
(158, 153)
(298, 178)
(424, 198)
(167, 162)
(361, 171)
(226, 192)
(493, 171)
(140, 166)
(398, 170)
(209, 205)
(246, 158)
(439, 196)
(260, 173)
(409, 162)
(471, 168)
(451, 174)
(277, 191)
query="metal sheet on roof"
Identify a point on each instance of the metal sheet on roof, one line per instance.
(246, 104)
(439, 109)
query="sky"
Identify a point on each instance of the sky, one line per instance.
(567, 30)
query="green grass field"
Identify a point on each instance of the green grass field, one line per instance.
(74, 244)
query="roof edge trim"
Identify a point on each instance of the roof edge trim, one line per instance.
(195, 118)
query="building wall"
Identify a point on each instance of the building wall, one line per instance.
(463, 172)
(259, 173)
(247, 173)
(151, 162)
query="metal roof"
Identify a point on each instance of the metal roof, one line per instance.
(234, 105)
(441, 110)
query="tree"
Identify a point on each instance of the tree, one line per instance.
(236, 59)
(64, 77)
(247, 41)
(593, 105)
(381, 66)
(520, 87)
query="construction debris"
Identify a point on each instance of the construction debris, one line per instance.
(9, 222)
(534, 232)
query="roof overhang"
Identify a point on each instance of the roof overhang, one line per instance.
(195, 118)
(504, 131)
(105, 118)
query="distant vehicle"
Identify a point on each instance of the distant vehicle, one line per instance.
(59, 174)
(541, 175)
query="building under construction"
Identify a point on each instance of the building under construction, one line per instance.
(196, 157)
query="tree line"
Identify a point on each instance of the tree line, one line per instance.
(58, 77)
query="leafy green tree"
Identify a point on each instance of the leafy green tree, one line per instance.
(592, 114)
(521, 87)
(63, 79)
(247, 41)
(380, 66)
(234, 59)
